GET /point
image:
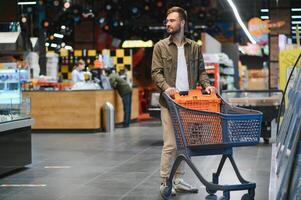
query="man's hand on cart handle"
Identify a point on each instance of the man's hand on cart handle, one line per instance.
(171, 91)
(210, 89)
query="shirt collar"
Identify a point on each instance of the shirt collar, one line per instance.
(170, 41)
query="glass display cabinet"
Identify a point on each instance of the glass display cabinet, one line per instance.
(15, 122)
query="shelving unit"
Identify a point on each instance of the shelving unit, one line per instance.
(220, 71)
(213, 73)
(226, 77)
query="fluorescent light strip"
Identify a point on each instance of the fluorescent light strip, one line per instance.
(68, 47)
(296, 22)
(240, 21)
(296, 16)
(294, 27)
(157, 28)
(27, 3)
(296, 9)
(264, 17)
(264, 10)
(57, 35)
(53, 45)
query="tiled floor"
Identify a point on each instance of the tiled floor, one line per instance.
(120, 166)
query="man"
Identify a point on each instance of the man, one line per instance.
(177, 65)
(125, 92)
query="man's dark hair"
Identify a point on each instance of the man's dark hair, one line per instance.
(181, 11)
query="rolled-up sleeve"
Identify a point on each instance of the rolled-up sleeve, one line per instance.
(158, 69)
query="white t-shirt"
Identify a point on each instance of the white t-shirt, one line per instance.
(182, 83)
(77, 76)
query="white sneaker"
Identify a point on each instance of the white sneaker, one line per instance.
(164, 191)
(173, 192)
(181, 186)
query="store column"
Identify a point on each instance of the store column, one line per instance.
(279, 11)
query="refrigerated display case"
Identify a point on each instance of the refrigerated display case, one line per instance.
(15, 123)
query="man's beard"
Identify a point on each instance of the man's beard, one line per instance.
(175, 31)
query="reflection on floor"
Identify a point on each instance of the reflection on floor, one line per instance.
(120, 166)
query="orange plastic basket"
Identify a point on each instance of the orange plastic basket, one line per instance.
(197, 101)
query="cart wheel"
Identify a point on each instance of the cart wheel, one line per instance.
(211, 191)
(166, 192)
(247, 197)
(266, 140)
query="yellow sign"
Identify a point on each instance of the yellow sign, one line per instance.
(78, 53)
(91, 52)
(287, 59)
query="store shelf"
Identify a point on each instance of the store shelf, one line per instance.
(11, 125)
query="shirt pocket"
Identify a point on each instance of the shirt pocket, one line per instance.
(193, 70)
(167, 63)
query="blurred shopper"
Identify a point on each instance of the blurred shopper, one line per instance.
(77, 73)
(177, 65)
(125, 92)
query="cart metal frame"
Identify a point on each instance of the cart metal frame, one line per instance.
(201, 133)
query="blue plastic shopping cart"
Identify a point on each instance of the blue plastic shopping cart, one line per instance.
(213, 133)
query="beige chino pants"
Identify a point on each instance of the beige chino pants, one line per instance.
(169, 147)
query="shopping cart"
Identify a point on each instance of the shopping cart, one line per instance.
(200, 133)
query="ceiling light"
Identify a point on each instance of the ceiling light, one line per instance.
(296, 9)
(106, 27)
(57, 35)
(296, 22)
(108, 7)
(296, 16)
(240, 21)
(53, 45)
(67, 5)
(46, 24)
(157, 28)
(68, 47)
(63, 27)
(294, 27)
(264, 10)
(56, 3)
(24, 20)
(27, 3)
(264, 17)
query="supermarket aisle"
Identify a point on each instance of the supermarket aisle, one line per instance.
(119, 166)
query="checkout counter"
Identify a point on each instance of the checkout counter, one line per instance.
(76, 109)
